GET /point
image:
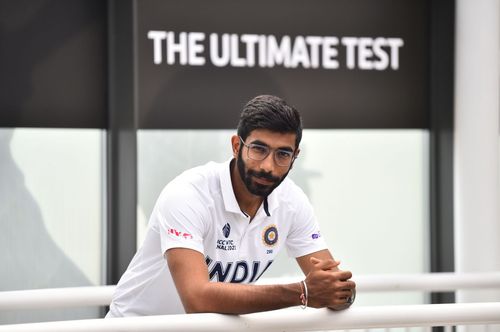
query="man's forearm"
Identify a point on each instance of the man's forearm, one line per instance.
(326, 287)
(242, 298)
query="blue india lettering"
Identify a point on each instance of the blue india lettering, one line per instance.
(241, 272)
(240, 266)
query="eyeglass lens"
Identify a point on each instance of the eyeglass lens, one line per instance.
(260, 152)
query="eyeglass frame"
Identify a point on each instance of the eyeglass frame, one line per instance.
(293, 155)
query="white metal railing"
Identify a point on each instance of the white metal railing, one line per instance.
(101, 295)
(424, 282)
(51, 298)
(284, 320)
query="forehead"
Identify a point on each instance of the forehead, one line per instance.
(272, 138)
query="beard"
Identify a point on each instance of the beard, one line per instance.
(253, 187)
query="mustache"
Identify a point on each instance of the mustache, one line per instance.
(264, 175)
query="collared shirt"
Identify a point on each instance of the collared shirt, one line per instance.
(198, 210)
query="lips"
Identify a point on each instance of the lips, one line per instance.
(264, 181)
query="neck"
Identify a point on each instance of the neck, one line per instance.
(248, 202)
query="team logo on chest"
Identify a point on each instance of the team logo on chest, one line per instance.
(226, 230)
(270, 235)
(226, 244)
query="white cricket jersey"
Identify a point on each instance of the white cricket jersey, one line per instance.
(198, 210)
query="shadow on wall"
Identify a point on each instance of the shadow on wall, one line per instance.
(29, 257)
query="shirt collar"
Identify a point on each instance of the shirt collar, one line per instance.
(230, 202)
(270, 203)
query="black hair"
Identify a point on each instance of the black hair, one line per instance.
(271, 113)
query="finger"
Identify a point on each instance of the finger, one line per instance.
(343, 275)
(343, 294)
(314, 260)
(341, 299)
(326, 264)
(346, 285)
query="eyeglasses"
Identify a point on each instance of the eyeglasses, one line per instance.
(260, 152)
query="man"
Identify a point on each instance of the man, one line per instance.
(216, 228)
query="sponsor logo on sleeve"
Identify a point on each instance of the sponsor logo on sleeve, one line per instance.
(179, 234)
(316, 236)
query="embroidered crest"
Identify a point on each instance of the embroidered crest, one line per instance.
(270, 235)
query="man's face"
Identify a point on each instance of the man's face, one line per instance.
(262, 177)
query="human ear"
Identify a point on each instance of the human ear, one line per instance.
(235, 145)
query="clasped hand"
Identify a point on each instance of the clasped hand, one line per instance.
(329, 286)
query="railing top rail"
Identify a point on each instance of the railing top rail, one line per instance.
(101, 295)
(430, 282)
(51, 298)
(286, 320)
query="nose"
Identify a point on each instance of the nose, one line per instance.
(267, 165)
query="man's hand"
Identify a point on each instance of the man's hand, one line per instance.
(328, 286)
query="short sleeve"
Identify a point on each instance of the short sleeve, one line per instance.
(304, 236)
(180, 216)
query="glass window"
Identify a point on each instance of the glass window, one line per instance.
(51, 214)
(369, 189)
(164, 154)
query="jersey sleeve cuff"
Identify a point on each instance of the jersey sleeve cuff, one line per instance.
(192, 246)
(302, 251)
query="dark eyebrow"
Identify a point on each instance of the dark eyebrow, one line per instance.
(283, 148)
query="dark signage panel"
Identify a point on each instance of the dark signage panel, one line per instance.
(53, 63)
(342, 63)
